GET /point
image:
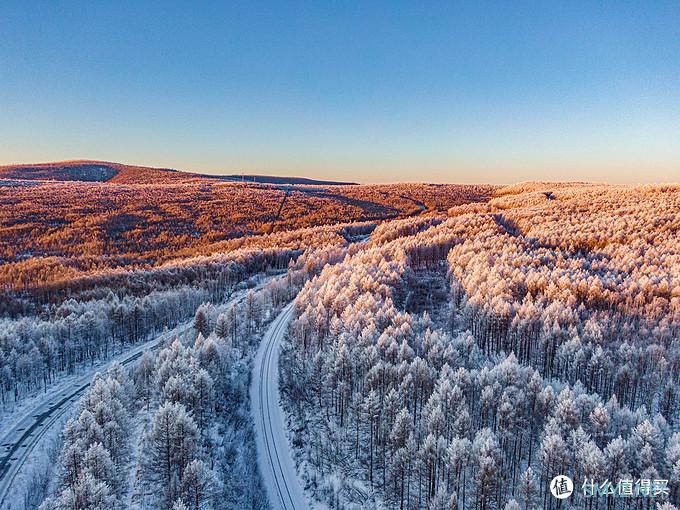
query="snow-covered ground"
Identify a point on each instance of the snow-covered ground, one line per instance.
(273, 449)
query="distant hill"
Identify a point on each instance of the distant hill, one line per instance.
(274, 179)
(66, 171)
(104, 171)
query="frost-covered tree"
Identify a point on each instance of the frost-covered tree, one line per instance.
(171, 444)
(197, 484)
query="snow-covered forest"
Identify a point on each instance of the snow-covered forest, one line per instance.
(459, 358)
(552, 350)
(55, 329)
(102, 316)
(174, 431)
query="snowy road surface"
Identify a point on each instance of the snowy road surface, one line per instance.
(273, 451)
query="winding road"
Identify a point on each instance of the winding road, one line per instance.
(273, 450)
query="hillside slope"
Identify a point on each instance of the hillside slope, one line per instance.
(105, 171)
(95, 226)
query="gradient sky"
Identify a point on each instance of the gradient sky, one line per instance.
(364, 91)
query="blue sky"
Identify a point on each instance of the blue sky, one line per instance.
(365, 91)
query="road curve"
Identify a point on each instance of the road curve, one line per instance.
(273, 450)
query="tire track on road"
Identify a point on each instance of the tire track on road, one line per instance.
(274, 457)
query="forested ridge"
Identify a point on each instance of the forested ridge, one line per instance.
(53, 231)
(557, 354)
